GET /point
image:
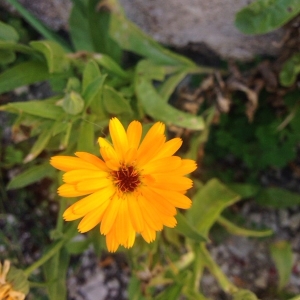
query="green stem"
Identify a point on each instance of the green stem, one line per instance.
(37, 25)
(224, 282)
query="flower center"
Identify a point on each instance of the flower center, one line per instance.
(127, 178)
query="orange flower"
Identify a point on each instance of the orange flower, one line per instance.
(134, 189)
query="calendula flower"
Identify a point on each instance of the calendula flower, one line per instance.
(136, 188)
(7, 291)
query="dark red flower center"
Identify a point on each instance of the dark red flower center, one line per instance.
(127, 178)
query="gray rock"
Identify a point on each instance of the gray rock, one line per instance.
(208, 24)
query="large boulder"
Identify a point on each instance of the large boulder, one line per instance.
(204, 23)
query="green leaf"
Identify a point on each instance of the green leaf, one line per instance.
(282, 255)
(244, 295)
(151, 71)
(79, 27)
(40, 108)
(277, 198)
(236, 230)
(18, 279)
(7, 57)
(36, 24)
(41, 142)
(90, 72)
(8, 33)
(31, 175)
(290, 70)
(114, 102)
(55, 270)
(110, 65)
(55, 55)
(262, 16)
(77, 247)
(13, 46)
(155, 107)
(208, 203)
(93, 91)
(22, 74)
(245, 190)
(169, 86)
(134, 289)
(86, 138)
(185, 228)
(99, 21)
(171, 292)
(131, 38)
(73, 103)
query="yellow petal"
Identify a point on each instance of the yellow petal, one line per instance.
(175, 198)
(135, 213)
(169, 182)
(169, 148)
(68, 190)
(148, 234)
(93, 159)
(130, 156)
(93, 185)
(75, 176)
(160, 203)
(187, 166)
(162, 165)
(134, 133)
(131, 237)
(111, 242)
(68, 163)
(150, 151)
(150, 214)
(118, 136)
(68, 215)
(122, 222)
(92, 201)
(169, 221)
(93, 218)
(109, 217)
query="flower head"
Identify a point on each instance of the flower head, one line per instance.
(7, 291)
(134, 189)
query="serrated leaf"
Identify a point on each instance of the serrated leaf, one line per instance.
(31, 175)
(185, 228)
(8, 33)
(40, 108)
(131, 38)
(23, 74)
(282, 255)
(290, 70)
(263, 16)
(54, 54)
(114, 102)
(208, 203)
(155, 107)
(277, 198)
